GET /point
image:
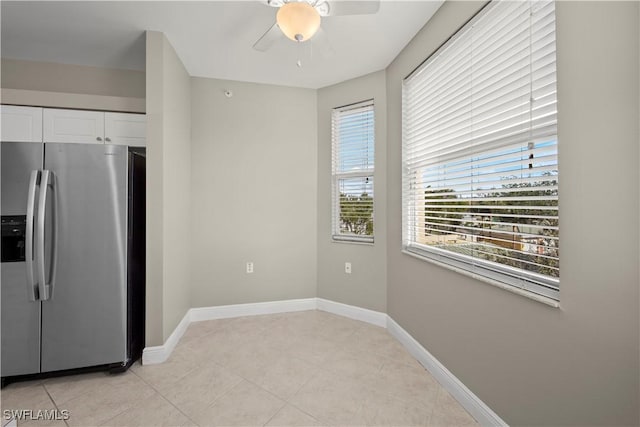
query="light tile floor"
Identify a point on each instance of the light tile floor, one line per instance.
(296, 369)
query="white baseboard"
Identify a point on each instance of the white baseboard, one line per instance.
(158, 354)
(365, 315)
(477, 408)
(252, 309)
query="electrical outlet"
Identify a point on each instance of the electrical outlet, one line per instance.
(249, 267)
(347, 267)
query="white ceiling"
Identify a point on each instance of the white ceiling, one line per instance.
(213, 38)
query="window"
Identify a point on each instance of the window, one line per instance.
(352, 146)
(479, 153)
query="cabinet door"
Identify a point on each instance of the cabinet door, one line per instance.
(125, 129)
(21, 124)
(84, 127)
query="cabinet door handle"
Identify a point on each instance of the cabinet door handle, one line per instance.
(107, 139)
(98, 139)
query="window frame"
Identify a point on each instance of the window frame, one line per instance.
(501, 274)
(337, 176)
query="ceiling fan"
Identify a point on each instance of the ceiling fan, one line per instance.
(299, 20)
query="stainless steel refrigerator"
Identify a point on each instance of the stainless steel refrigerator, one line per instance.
(69, 295)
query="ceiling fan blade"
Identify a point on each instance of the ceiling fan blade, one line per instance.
(353, 7)
(322, 44)
(268, 39)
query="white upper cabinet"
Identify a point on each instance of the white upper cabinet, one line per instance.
(73, 126)
(21, 124)
(94, 127)
(125, 129)
(35, 124)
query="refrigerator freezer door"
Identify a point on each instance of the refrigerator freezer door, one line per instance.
(18, 160)
(84, 321)
(20, 324)
(20, 318)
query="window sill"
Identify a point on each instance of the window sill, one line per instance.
(364, 242)
(527, 294)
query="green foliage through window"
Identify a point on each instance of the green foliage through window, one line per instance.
(356, 214)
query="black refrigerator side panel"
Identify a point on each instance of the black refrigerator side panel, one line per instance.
(136, 254)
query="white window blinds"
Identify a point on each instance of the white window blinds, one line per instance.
(480, 171)
(352, 136)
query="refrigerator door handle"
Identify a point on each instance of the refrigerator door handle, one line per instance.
(54, 234)
(28, 246)
(44, 287)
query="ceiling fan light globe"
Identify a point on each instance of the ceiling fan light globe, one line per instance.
(299, 21)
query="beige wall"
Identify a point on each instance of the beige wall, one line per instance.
(168, 189)
(254, 192)
(155, 213)
(366, 286)
(532, 364)
(176, 163)
(54, 77)
(49, 84)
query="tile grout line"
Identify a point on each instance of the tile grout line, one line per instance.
(53, 401)
(178, 409)
(298, 391)
(104, 423)
(286, 401)
(386, 358)
(226, 392)
(386, 361)
(276, 413)
(163, 396)
(435, 404)
(265, 390)
(242, 378)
